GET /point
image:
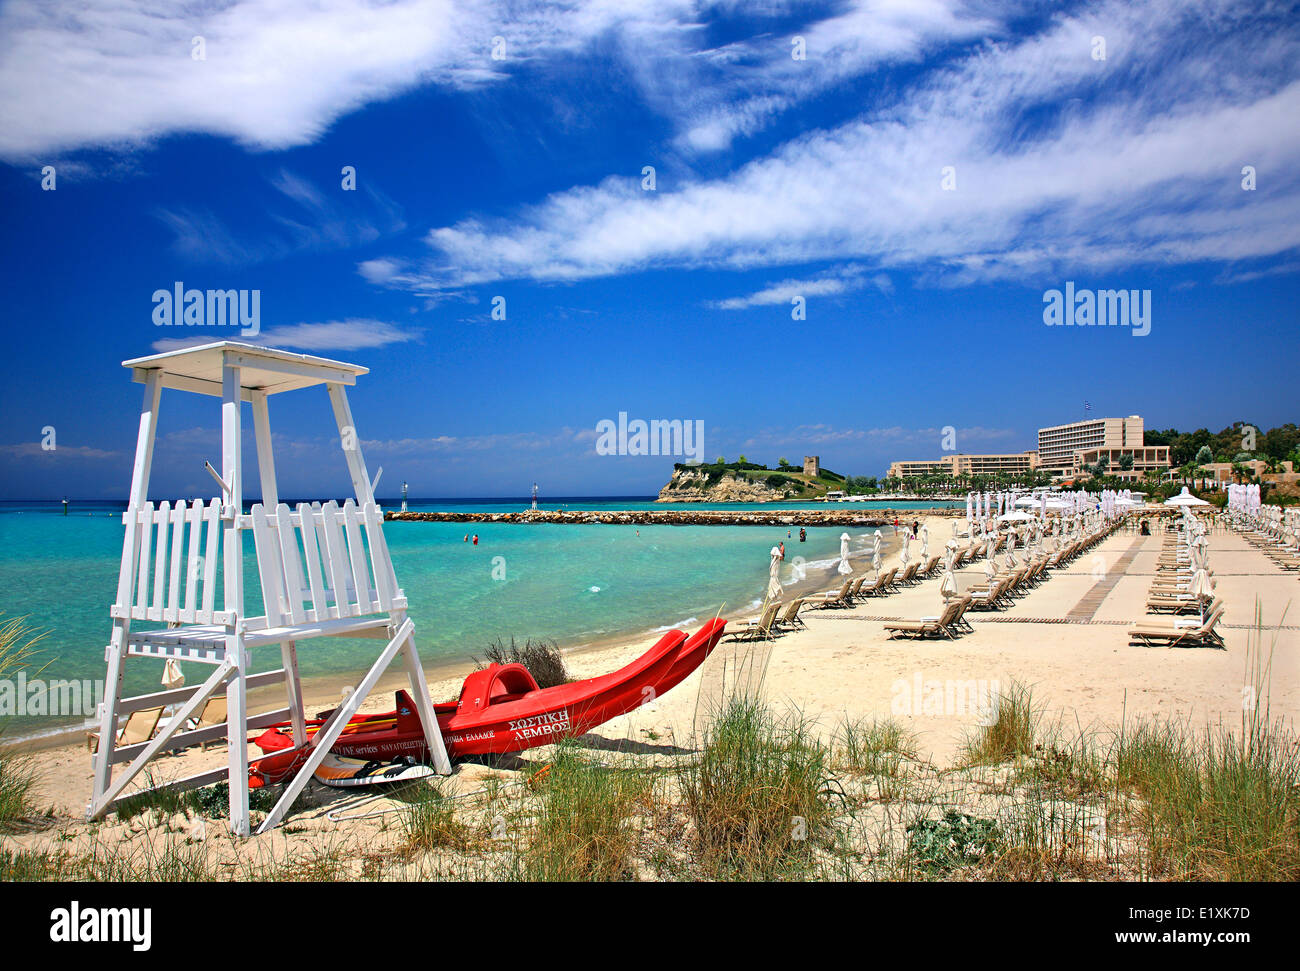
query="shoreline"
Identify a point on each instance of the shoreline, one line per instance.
(324, 691)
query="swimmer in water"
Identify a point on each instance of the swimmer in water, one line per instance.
(476, 539)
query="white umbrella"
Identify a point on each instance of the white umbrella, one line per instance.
(1185, 498)
(949, 586)
(172, 677)
(990, 567)
(903, 555)
(774, 589)
(1202, 589)
(875, 561)
(845, 569)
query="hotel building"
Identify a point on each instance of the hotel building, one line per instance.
(961, 464)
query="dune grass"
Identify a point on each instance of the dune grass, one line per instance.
(1219, 803)
(1011, 733)
(758, 794)
(582, 827)
(430, 822)
(18, 775)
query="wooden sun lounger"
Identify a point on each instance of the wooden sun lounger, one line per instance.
(140, 727)
(760, 629)
(940, 626)
(840, 599)
(1154, 634)
(789, 618)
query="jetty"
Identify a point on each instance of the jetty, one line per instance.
(683, 517)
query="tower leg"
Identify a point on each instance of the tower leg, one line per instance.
(293, 684)
(108, 713)
(424, 706)
(237, 741)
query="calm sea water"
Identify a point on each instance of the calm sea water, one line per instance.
(571, 584)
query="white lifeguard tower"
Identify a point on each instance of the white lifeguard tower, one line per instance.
(324, 571)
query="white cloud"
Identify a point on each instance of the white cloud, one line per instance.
(276, 73)
(845, 279)
(334, 335)
(1128, 161)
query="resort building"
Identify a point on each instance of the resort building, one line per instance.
(1221, 473)
(961, 464)
(1058, 445)
(1146, 458)
(1010, 463)
(913, 469)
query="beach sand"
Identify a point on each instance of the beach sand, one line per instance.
(1066, 639)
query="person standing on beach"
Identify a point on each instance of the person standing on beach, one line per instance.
(915, 526)
(781, 547)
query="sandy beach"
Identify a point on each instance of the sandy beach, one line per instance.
(1067, 640)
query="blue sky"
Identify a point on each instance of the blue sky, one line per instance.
(522, 177)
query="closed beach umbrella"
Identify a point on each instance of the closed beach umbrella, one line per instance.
(1011, 550)
(1202, 585)
(903, 557)
(875, 562)
(949, 586)
(875, 543)
(774, 589)
(172, 677)
(990, 567)
(845, 569)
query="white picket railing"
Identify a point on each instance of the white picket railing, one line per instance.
(313, 563)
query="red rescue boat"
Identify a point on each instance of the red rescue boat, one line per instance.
(501, 709)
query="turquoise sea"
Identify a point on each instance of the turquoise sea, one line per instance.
(571, 584)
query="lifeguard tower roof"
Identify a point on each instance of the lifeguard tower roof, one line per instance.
(199, 369)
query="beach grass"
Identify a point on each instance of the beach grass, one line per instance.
(1009, 733)
(18, 774)
(430, 822)
(758, 794)
(582, 827)
(541, 657)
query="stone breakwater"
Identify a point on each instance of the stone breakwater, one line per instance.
(682, 517)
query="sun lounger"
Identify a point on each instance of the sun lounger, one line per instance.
(789, 618)
(760, 629)
(140, 727)
(1153, 633)
(940, 626)
(841, 599)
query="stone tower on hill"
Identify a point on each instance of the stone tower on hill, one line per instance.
(812, 465)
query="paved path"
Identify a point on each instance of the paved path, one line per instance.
(1084, 610)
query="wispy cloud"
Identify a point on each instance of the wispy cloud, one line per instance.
(315, 222)
(333, 335)
(1130, 160)
(843, 279)
(35, 450)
